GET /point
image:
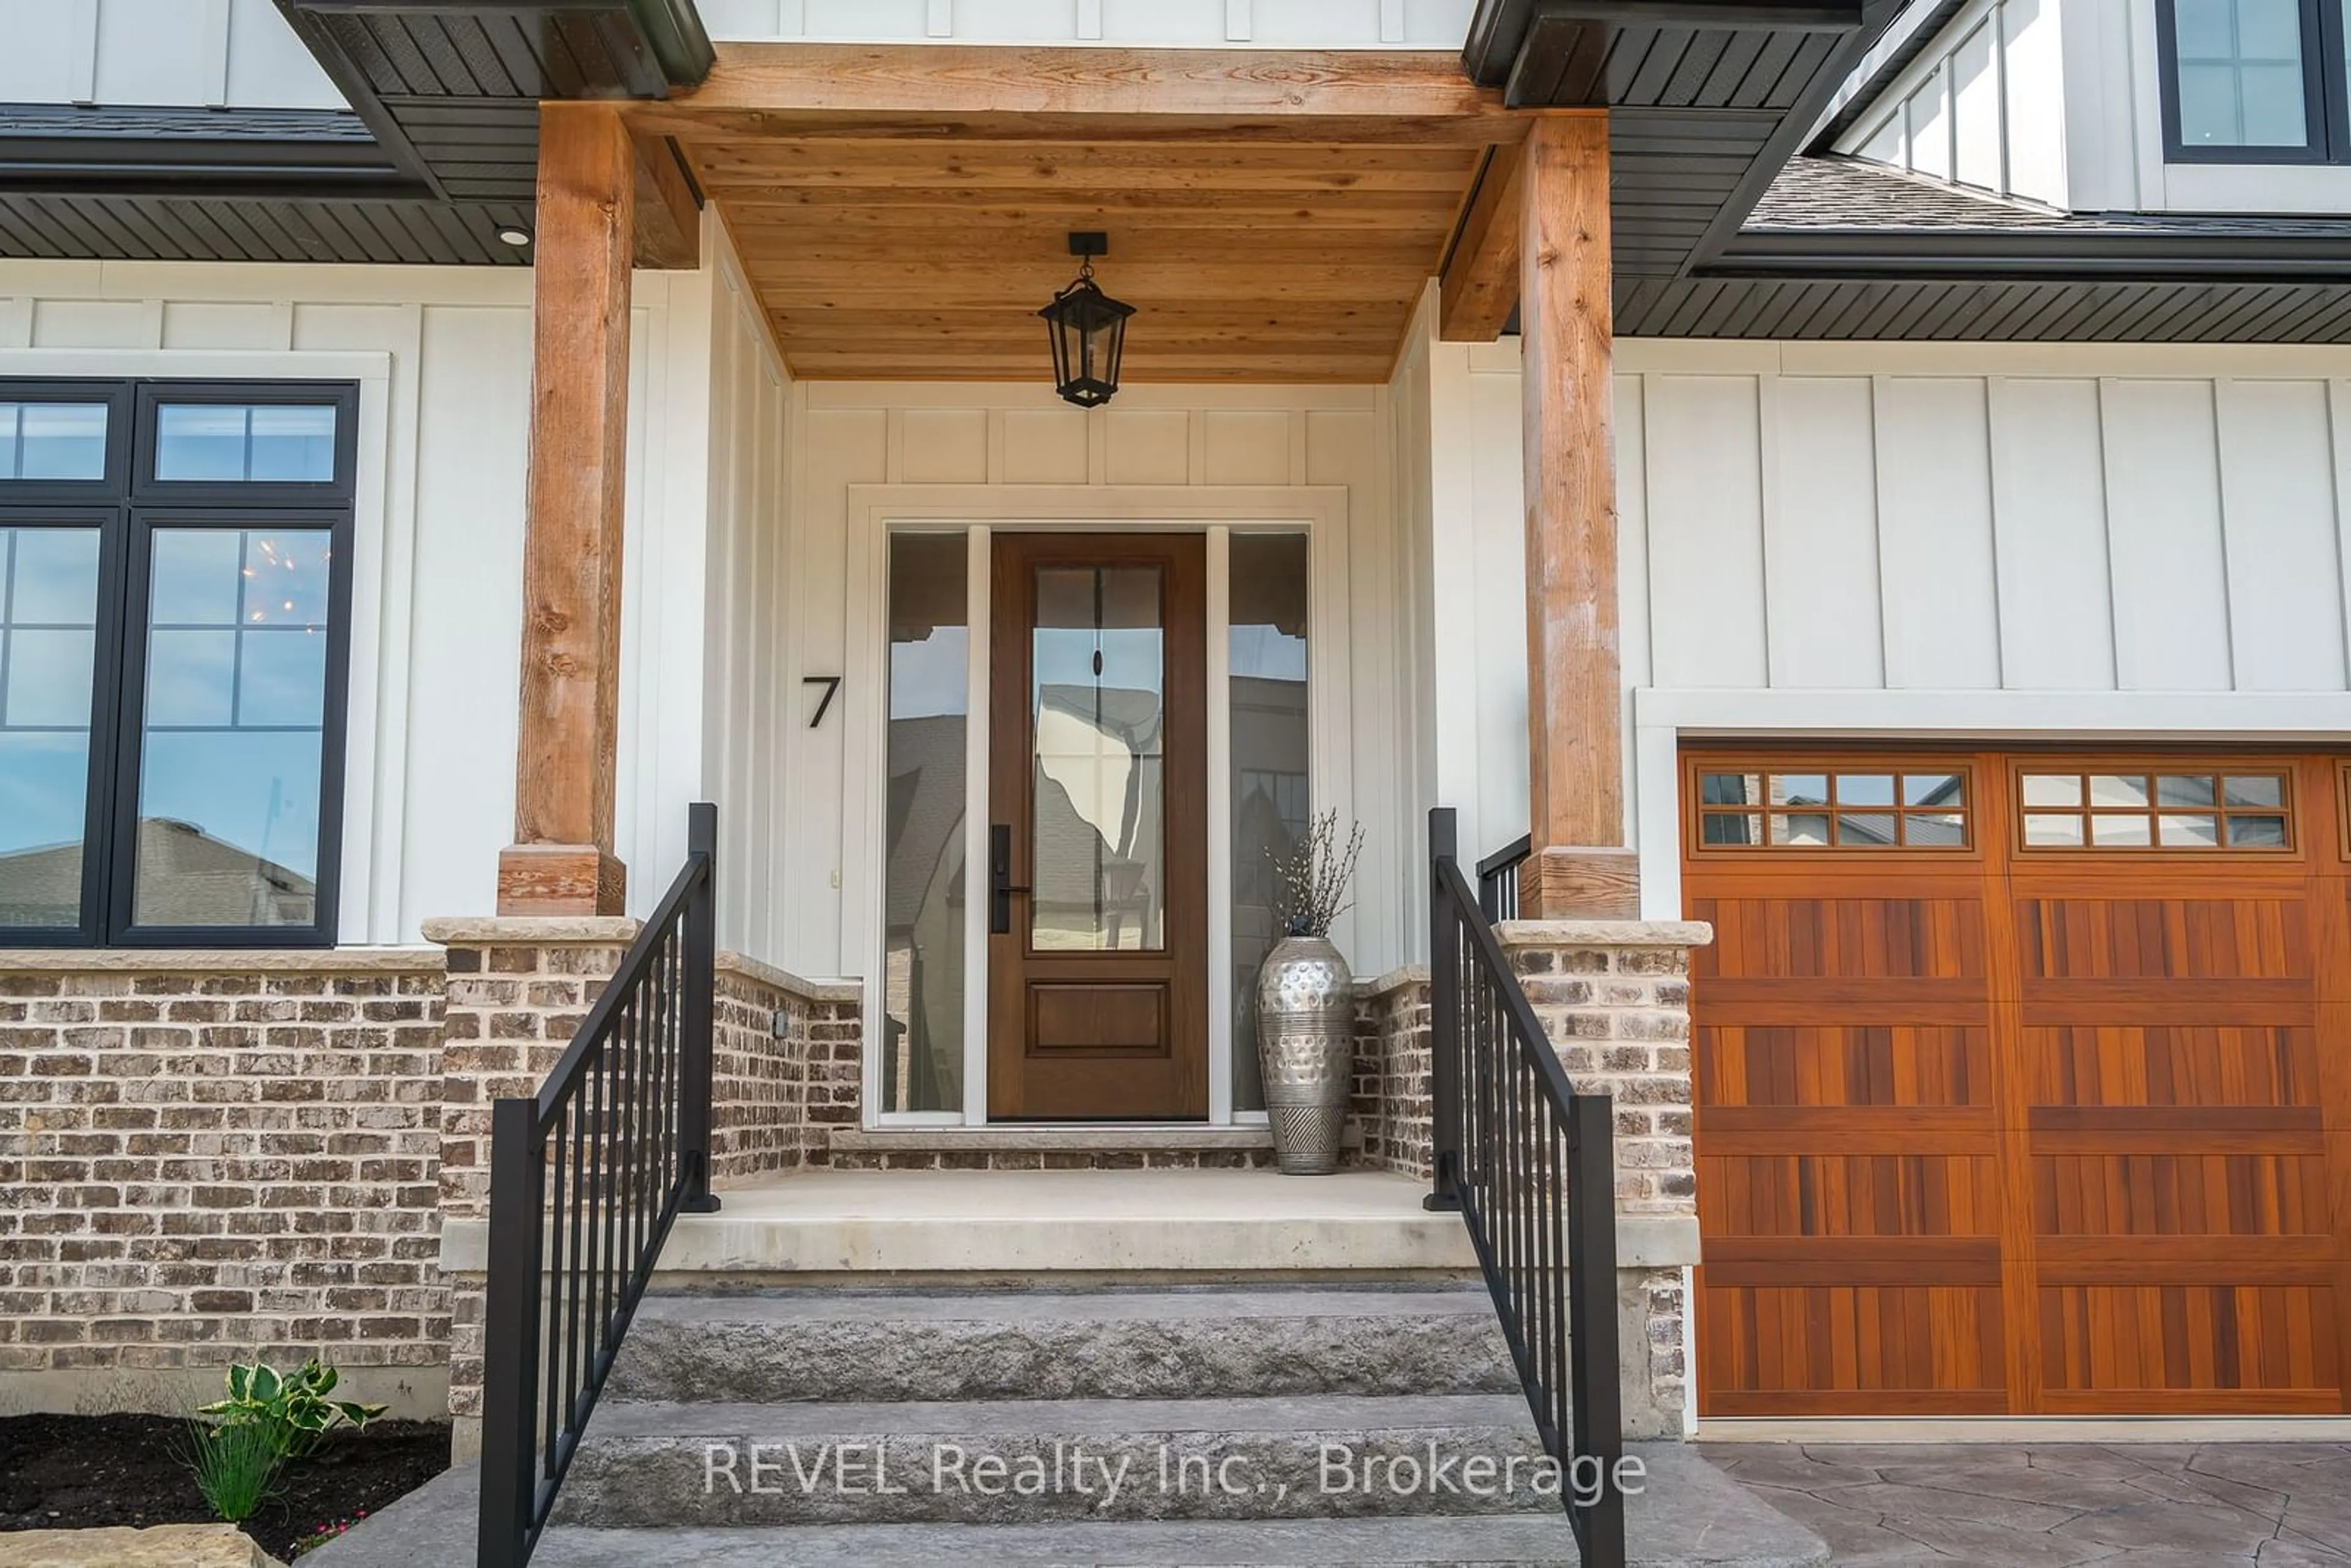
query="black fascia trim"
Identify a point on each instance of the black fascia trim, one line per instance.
(1774, 154)
(1881, 80)
(146, 151)
(1498, 28)
(1861, 253)
(360, 94)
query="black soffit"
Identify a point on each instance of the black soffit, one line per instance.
(439, 154)
(1726, 225)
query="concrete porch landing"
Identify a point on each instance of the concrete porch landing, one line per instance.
(1072, 1222)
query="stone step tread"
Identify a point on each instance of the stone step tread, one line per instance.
(915, 1419)
(1216, 1304)
(1518, 1541)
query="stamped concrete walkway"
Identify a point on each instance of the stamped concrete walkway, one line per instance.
(2208, 1505)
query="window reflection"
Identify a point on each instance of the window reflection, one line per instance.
(1271, 799)
(278, 443)
(923, 960)
(53, 440)
(48, 618)
(1100, 712)
(230, 751)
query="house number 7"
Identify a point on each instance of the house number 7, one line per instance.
(831, 685)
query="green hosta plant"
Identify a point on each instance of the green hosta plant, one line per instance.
(293, 1410)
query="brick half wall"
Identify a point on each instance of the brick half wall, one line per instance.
(211, 1156)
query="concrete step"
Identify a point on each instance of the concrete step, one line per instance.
(1201, 1342)
(1519, 1541)
(1048, 1461)
(1688, 1514)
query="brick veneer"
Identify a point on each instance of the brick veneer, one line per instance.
(1613, 996)
(1389, 1103)
(518, 991)
(207, 1156)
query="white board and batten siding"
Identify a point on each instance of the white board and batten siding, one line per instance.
(1983, 105)
(1928, 540)
(441, 357)
(865, 458)
(186, 53)
(1166, 24)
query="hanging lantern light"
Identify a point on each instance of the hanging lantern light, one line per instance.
(1087, 330)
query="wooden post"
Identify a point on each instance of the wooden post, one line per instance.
(561, 861)
(1579, 867)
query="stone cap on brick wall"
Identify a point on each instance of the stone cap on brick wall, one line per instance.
(1394, 980)
(616, 931)
(1605, 933)
(222, 960)
(531, 930)
(734, 963)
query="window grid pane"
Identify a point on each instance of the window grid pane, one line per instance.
(1858, 810)
(49, 622)
(227, 443)
(2239, 80)
(2187, 810)
(233, 728)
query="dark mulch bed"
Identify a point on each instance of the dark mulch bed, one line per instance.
(67, 1472)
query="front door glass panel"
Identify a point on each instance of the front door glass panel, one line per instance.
(1099, 705)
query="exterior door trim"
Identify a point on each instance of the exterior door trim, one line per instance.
(1320, 511)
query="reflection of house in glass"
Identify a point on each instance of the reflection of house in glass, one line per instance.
(923, 976)
(1099, 884)
(187, 878)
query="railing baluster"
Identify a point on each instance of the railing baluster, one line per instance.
(585, 1179)
(1531, 1164)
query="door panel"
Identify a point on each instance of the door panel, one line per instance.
(2051, 1119)
(1098, 943)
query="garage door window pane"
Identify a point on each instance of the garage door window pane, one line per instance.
(2182, 810)
(2255, 791)
(2257, 833)
(2188, 831)
(1815, 810)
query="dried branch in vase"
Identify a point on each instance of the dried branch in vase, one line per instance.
(1311, 882)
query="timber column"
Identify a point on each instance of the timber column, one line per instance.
(561, 861)
(1580, 866)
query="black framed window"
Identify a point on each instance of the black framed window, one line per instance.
(174, 653)
(2255, 81)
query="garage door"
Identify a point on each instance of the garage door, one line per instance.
(2023, 1082)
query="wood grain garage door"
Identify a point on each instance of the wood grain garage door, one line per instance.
(2022, 1082)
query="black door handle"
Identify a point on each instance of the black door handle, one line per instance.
(999, 879)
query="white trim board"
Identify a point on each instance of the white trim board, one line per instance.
(1320, 511)
(384, 543)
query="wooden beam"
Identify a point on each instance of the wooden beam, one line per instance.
(1480, 285)
(1579, 867)
(669, 212)
(956, 92)
(561, 862)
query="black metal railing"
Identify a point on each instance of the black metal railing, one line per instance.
(1497, 879)
(586, 1178)
(1531, 1164)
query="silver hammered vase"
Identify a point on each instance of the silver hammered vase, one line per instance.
(1305, 1046)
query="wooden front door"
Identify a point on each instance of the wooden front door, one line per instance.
(1098, 886)
(2023, 1082)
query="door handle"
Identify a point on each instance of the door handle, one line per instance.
(999, 879)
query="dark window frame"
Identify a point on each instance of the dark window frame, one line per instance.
(2326, 94)
(128, 507)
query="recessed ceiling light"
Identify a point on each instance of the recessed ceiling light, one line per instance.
(514, 235)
